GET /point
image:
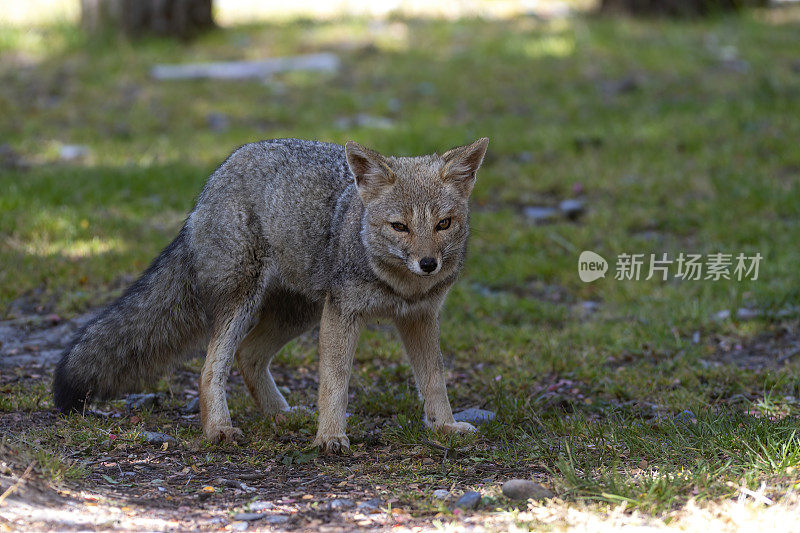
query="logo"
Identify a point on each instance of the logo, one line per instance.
(591, 266)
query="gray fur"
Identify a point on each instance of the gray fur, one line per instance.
(281, 229)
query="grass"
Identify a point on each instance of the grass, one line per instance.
(679, 137)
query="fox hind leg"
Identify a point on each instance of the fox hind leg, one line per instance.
(229, 330)
(284, 316)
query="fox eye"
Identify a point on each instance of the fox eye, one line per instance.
(399, 226)
(443, 224)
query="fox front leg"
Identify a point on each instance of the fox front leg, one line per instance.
(420, 335)
(338, 336)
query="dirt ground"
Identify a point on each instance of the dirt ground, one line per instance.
(160, 487)
(135, 486)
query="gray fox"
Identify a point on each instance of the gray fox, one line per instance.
(285, 235)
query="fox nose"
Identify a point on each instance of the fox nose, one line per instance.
(427, 264)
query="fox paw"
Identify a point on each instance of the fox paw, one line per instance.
(227, 434)
(336, 443)
(457, 427)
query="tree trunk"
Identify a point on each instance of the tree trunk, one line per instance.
(172, 18)
(676, 8)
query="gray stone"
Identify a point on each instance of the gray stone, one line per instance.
(152, 437)
(572, 209)
(363, 120)
(218, 122)
(249, 517)
(231, 483)
(10, 158)
(474, 416)
(685, 417)
(441, 494)
(277, 519)
(323, 62)
(192, 406)
(469, 500)
(142, 401)
(587, 307)
(625, 85)
(239, 526)
(73, 152)
(524, 489)
(340, 504)
(742, 313)
(540, 214)
(261, 506)
(370, 505)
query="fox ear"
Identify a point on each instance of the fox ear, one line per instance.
(370, 169)
(461, 164)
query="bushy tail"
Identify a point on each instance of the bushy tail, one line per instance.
(155, 323)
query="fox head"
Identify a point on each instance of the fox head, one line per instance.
(416, 219)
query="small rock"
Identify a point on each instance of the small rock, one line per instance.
(239, 526)
(248, 517)
(73, 152)
(743, 313)
(441, 494)
(218, 122)
(540, 215)
(222, 482)
(525, 157)
(748, 314)
(425, 88)
(232, 70)
(587, 307)
(488, 292)
(572, 209)
(341, 504)
(626, 85)
(142, 401)
(685, 417)
(370, 505)
(469, 500)
(524, 489)
(9, 158)
(261, 506)
(739, 66)
(192, 406)
(474, 416)
(363, 120)
(277, 519)
(152, 437)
